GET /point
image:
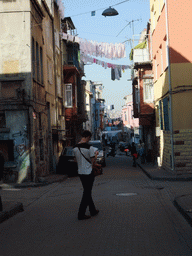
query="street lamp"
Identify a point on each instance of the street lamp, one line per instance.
(110, 12)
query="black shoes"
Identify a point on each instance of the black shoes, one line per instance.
(85, 217)
(95, 213)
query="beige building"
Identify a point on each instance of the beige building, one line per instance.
(31, 98)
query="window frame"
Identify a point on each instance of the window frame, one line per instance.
(41, 65)
(33, 59)
(37, 62)
(66, 96)
(148, 95)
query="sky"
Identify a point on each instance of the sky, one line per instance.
(115, 29)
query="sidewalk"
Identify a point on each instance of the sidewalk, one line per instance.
(182, 203)
(11, 208)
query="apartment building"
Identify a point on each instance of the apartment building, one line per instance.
(171, 25)
(30, 87)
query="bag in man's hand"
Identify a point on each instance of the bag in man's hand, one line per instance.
(97, 169)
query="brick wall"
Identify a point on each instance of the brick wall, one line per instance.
(182, 150)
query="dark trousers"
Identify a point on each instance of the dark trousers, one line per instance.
(87, 182)
(134, 161)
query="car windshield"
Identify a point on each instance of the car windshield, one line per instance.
(97, 145)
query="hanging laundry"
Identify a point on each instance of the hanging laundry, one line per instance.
(86, 58)
(106, 50)
(117, 74)
(112, 74)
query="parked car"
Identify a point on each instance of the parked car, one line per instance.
(101, 157)
(67, 164)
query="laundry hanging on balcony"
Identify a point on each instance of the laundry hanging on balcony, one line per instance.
(106, 50)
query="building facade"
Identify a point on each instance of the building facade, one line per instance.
(130, 124)
(143, 93)
(171, 25)
(74, 86)
(30, 80)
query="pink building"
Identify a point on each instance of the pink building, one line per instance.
(131, 124)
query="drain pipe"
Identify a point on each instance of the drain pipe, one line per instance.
(170, 91)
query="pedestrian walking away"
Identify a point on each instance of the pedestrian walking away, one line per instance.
(84, 150)
(133, 153)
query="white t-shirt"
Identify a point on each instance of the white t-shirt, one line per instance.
(84, 167)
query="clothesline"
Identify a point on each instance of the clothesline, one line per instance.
(115, 69)
(85, 58)
(106, 50)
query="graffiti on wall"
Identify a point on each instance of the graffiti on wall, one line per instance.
(21, 153)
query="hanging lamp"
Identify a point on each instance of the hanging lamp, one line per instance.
(110, 12)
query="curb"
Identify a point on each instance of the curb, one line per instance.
(40, 184)
(182, 210)
(13, 210)
(165, 178)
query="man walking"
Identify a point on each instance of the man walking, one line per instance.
(85, 156)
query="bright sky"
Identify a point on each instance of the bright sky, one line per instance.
(105, 29)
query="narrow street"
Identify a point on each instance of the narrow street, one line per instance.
(137, 217)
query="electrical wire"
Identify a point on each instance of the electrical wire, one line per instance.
(99, 9)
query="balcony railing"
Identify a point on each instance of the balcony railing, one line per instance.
(141, 55)
(70, 59)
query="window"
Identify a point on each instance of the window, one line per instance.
(41, 63)
(50, 71)
(161, 52)
(137, 95)
(68, 95)
(148, 90)
(37, 61)
(33, 57)
(76, 95)
(160, 115)
(2, 120)
(155, 67)
(125, 116)
(166, 113)
(11, 89)
(132, 114)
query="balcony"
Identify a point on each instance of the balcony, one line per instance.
(141, 55)
(71, 60)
